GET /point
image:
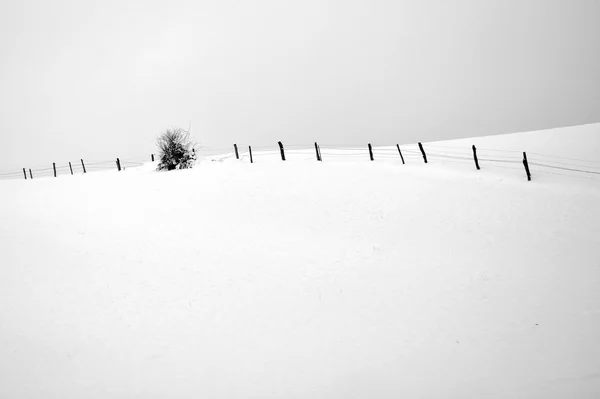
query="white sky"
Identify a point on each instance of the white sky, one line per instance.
(101, 79)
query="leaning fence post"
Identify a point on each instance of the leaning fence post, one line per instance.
(281, 150)
(118, 165)
(70, 167)
(152, 156)
(237, 154)
(30, 174)
(24, 173)
(475, 157)
(250, 151)
(371, 152)
(320, 155)
(54, 167)
(526, 164)
(317, 152)
(423, 152)
(400, 152)
(83, 166)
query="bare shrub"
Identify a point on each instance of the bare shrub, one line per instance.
(176, 150)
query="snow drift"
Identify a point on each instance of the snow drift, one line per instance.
(340, 279)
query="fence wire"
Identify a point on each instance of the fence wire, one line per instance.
(498, 158)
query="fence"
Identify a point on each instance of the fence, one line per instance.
(71, 168)
(479, 158)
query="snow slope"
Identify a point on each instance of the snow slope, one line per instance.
(341, 279)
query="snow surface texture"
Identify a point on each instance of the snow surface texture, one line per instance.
(298, 279)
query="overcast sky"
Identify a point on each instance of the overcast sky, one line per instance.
(101, 79)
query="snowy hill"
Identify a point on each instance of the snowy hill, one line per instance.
(337, 279)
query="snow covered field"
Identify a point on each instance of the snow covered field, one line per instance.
(298, 279)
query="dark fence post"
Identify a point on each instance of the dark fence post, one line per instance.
(317, 151)
(526, 164)
(30, 174)
(320, 155)
(250, 151)
(400, 152)
(118, 165)
(237, 154)
(152, 156)
(25, 173)
(282, 150)
(423, 152)
(83, 166)
(70, 167)
(54, 167)
(371, 152)
(475, 157)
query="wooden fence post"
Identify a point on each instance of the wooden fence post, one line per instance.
(371, 152)
(54, 167)
(152, 156)
(317, 152)
(400, 152)
(237, 154)
(475, 157)
(25, 173)
(250, 151)
(423, 152)
(281, 150)
(83, 166)
(526, 164)
(30, 174)
(70, 167)
(118, 165)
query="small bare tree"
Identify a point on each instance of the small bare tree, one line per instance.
(176, 150)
